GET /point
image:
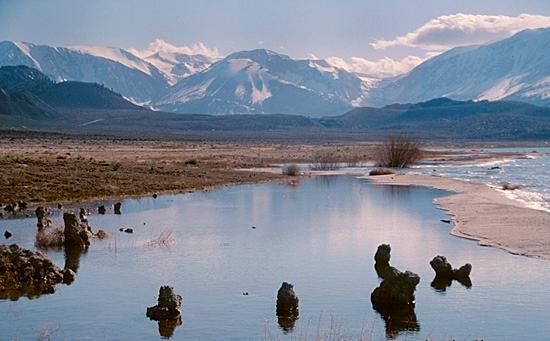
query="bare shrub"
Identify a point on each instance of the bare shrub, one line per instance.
(381, 171)
(50, 237)
(291, 170)
(165, 238)
(397, 151)
(325, 161)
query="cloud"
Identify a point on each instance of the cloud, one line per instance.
(460, 29)
(159, 45)
(382, 68)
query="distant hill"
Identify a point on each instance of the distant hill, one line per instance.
(444, 117)
(516, 68)
(27, 93)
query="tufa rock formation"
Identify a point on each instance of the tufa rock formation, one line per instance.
(27, 273)
(77, 233)
(168, 307)
(287, 307)
(117, 208)
(101, 209)
(444, 273)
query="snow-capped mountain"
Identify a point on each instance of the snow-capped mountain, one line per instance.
(177, 62)
(263, 81)
(115, 68)
(516, 68)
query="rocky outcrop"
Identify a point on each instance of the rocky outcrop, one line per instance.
(445, 274)
(396, 290)
(443, 269)
(27, 273)
(167, 312)
(382, 259)
(117, 207)
(101, 209)
(168, 307)
(42, 222)
(287, 307)
(7, 234)
(76, 232)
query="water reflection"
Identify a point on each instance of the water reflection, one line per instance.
(72, 257)
(440, 284)
(399, 320)
(168, 326)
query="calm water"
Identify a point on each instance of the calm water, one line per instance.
(320, 235)
(532, 172)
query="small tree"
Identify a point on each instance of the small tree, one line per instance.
(398, 151)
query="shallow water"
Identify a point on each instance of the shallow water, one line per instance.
(320, 235)
(532, 172)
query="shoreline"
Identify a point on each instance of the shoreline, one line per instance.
(481, 213)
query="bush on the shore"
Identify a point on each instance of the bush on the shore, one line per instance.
(381, 171)
(325, 161)
(291, 170)
(397, 151)
(510, 187)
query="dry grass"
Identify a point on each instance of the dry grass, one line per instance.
(398, 151)
(381, 171)
(164, 239)
(62, 169)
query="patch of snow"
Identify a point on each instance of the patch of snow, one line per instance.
(240, 91)
(236, 65)
(502, 89)
(25, 48)
(115, 54)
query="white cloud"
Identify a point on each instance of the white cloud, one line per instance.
(382, 68)
(459, 29)
(159, 45)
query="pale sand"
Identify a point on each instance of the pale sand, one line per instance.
(485, 214)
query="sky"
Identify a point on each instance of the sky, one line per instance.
(386, 35)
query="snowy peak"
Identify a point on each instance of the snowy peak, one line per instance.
(516, 68)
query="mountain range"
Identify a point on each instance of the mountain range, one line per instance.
(31, 100)
(263, 81)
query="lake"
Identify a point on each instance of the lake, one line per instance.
(320, 235)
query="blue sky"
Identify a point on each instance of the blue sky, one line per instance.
(298, 28)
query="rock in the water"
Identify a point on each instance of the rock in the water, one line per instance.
(77, 233)
(59, 206)
(7, 234)
(40, 217)
(129, 230)
(155, 196)
(463, 272)
(168, 307)
(444, 269)
(26, 273)
(441, 267)
(117, 207)
(396, 290)
(68, 276)
(287, 307)
(101, 209)
(382, 259)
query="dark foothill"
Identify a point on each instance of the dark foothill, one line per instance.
(287, 307)
(117, 208)
(101, 209)
(7, 234)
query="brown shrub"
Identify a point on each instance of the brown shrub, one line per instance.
(381, 171)
(291, 170)
(325, 161)
(397, 151)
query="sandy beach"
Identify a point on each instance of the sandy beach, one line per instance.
(485, 214)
